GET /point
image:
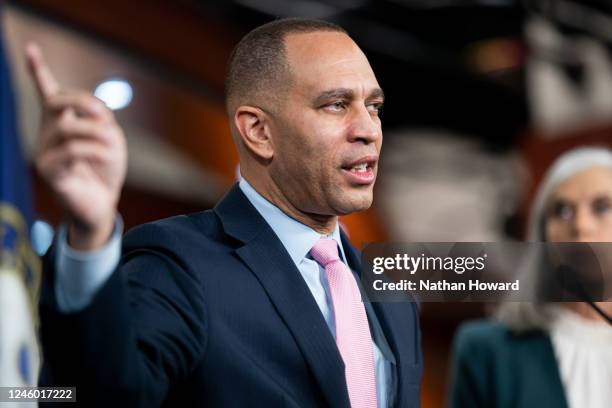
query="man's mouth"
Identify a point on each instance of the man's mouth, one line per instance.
(361, 171)
(360, 168)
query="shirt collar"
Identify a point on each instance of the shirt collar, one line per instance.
(296, 237)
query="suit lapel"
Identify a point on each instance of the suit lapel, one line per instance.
(397, 331)
(396, 328)
(268, 259)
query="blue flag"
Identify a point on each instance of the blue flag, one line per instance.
(19, 265)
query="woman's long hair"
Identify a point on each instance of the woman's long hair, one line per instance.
(526, 316)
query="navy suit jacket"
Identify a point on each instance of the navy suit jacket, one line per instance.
(208, 309)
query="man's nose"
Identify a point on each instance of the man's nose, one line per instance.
(364, 126)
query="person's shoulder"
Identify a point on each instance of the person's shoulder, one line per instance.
(496, 338)
(482, 335)
(203, 222)
(483, 329)
(176, 231)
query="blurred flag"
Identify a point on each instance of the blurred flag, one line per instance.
(19, 266)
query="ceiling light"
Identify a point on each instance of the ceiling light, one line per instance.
(115, 93)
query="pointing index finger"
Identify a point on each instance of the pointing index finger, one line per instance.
(45, 82)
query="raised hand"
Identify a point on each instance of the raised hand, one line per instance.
(82, 155)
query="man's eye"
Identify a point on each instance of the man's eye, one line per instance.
(336, 106)
(375, 107)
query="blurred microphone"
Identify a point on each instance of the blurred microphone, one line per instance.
(571, 280)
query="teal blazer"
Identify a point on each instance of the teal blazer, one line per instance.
(495, 368)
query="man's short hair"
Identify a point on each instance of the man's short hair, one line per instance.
(258, 65)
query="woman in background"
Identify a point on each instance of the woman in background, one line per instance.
(547, 354)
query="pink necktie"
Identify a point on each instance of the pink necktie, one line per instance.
(352, 331)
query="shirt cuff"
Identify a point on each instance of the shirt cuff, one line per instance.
(80, 274)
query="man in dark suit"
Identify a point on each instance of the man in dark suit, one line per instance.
(255, 302)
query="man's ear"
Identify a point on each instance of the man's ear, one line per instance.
(253, 127)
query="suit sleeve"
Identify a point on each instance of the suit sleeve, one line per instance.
(143, 332)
